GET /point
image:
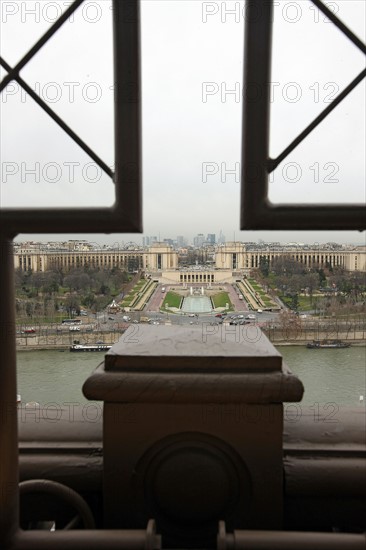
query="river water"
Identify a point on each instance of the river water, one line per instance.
(54, 376)
(330, 375)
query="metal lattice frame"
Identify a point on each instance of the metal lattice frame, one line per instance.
(256, 210)
(124, 216)
(126, 213)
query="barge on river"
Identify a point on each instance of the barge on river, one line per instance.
(90, 347)
(327, 344)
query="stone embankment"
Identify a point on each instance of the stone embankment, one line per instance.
(292, 334)
(65, 340)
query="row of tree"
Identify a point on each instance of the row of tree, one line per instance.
(41, 294)
(289, 279)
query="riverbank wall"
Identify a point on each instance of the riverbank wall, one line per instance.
(300, 336)
(64, 341)
(278, 337)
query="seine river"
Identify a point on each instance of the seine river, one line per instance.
(337, 376)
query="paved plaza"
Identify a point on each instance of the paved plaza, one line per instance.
(157, 298)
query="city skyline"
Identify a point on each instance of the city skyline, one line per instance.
(148, 240)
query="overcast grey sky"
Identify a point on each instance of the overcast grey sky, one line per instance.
(192, 89)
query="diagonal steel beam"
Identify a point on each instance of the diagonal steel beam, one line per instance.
(48, 34)
(273, 163)
(60, 122)
(340, 25)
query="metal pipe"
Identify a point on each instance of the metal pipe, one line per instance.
(129, 539)
(319, 476)
(277, 540)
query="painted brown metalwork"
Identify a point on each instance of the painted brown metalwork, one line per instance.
(126, 213)
(275, 540)
(8, 413)
(323, 462)
(256, 210)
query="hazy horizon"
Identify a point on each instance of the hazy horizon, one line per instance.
(102, 239)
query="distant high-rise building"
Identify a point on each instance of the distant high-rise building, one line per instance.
(148, 241)
(198, 240)
(221, 239)
(211, 238)
(180, 241)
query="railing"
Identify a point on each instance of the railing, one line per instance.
(323, 488)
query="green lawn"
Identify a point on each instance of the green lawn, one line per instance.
(304, 302)
(261, 293)
(172, 299)
(139, 286)
(40, 320)
(127, 300)
(256, 287)
(221, 299)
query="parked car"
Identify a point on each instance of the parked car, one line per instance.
(251, 316)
